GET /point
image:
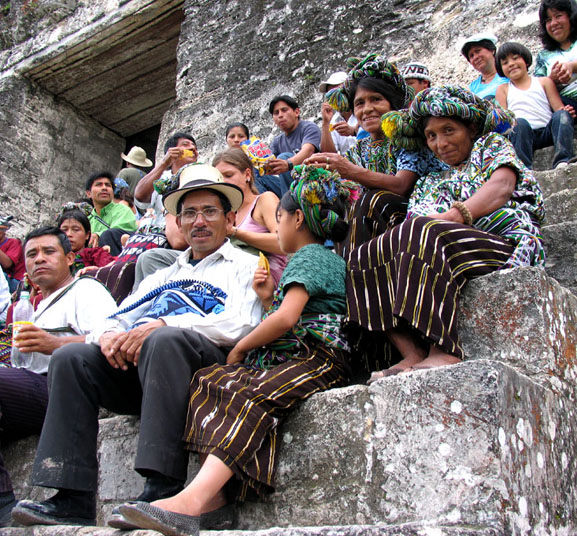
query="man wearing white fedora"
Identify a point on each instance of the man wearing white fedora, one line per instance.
(180, 150)
(142, 359)
(135, 160)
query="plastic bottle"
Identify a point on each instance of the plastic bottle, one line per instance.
(23, 314)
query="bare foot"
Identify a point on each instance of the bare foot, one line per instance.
(405, 365)
(174, 504)
(380, 374)
(183, 503)
(437, 359)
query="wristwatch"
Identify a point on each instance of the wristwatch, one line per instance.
(290, 165)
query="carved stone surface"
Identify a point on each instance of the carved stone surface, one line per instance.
(409, 529)
(487, 443)
(47, 151)
(115, 61)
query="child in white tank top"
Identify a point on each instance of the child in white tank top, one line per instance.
(542, 119)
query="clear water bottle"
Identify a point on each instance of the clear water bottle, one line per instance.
(23, 314)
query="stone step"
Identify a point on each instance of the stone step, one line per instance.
(406, 529)
(561, 247)
(561, 207)
(484, 446)
(543, 158)
(555, 180)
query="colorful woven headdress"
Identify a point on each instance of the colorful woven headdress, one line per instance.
(405, 127)
(373, 66)
(314, 190)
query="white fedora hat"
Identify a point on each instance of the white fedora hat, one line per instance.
(137, 156)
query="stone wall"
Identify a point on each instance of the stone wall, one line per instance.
(234, 56)
(73, 76)
(47, 150)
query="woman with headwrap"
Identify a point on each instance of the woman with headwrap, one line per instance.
(387, 173)
(480, 215)
(296, 351)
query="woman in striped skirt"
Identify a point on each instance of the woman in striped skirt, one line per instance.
(481, 215)
(385, 172)
(297, 351)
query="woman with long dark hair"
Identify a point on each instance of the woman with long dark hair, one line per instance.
(558, 60)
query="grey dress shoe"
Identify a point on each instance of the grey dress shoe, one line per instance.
(145, 516)
(222, 518)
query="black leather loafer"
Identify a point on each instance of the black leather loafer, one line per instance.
(54, 511)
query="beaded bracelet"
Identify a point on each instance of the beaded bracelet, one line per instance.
(465, 212)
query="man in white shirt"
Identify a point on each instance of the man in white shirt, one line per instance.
(339, 129)
(68, 310)
(183, 318)
(180, 149)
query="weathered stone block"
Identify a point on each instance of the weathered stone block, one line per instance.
(524, 319)
(475, 444)
(561, 247)
(561, 207)
(487, 444)
(557, 180)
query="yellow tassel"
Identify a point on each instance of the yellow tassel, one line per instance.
(389, 127)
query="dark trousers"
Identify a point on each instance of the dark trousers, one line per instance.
(81, 380)
(23, 400)
(277, 184)
(558, 132)
(111, 237)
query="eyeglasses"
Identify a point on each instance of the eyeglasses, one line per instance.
(209, 214)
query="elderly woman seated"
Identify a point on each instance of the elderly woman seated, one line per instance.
(480, 215)
(386, 172)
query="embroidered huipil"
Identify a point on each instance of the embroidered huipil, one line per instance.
(518, 220)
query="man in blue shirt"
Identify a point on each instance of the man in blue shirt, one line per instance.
(298, 141)
(479, 50)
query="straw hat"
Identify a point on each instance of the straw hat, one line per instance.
(202, 177)
(137, 156)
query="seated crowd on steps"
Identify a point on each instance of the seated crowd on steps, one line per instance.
(245, 287)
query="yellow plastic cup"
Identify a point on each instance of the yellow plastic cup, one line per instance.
(17, 325)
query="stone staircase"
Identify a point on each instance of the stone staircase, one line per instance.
(486, 447)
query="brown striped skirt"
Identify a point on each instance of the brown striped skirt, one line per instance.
(374, 213)
(412, 275)
(234, 410)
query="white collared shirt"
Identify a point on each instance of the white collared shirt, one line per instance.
(229, 269)
(86, 304)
